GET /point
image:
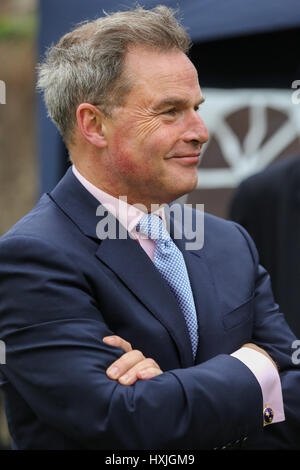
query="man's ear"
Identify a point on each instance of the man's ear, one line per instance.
(90, 124)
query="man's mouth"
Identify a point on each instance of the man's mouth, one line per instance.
(191, 158)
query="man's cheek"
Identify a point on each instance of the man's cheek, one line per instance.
(126, 159)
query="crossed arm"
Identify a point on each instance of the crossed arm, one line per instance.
(56, 357)
(133, 365)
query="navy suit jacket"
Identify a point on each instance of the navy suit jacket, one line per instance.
(62, 289)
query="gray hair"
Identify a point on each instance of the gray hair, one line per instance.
(86, 64)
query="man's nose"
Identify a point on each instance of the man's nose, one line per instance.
(196, 129)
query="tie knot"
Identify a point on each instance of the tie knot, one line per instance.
(152, 226)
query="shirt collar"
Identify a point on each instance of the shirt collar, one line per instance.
(128, 215)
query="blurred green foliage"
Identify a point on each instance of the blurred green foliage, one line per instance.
(18, 26)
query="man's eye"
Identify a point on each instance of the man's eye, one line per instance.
(171, 111)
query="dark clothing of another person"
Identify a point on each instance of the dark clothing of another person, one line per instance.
(268, 206)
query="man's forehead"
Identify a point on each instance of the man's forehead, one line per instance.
(163, 77)
(140, 60)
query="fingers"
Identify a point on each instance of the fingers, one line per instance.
(117, 342)
(260, 350)
(122, 365)
(133, 366)
(148, 373)
(145, 369)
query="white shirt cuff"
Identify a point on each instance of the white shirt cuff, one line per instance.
(268, 379)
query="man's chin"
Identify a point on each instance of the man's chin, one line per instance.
(189, 187)
(184, 191)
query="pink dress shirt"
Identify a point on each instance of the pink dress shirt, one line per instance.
(262, 368)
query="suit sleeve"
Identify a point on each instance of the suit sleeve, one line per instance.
(56, 360)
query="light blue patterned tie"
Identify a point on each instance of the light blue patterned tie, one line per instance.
(170, 262)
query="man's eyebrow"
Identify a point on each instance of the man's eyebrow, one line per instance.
(175, 101)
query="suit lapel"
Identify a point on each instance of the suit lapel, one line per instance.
(135, 269)
(126, 258)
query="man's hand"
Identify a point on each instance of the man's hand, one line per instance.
(262, 351)
(132, 365)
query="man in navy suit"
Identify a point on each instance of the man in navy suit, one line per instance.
(102, 351)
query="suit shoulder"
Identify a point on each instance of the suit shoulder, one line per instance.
(31, 222)
(39, 225)
(225, 240)
(211, 221)
(217, 228)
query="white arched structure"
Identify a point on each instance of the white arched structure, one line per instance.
(255, 153)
